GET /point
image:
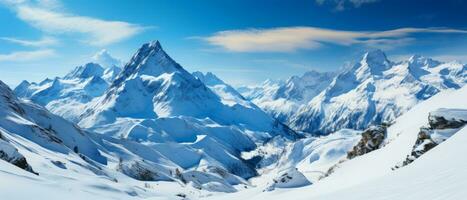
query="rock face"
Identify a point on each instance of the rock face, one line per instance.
(447, 118)
(10, 154)
(372, 139)
(443, 123)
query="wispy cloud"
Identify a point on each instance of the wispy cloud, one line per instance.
(45, 16)
(21, 56)
(340, 5)
(45, 41)
(287, 39)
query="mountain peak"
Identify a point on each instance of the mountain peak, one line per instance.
(375, 56)
(373, 62)
(419, 60)
(86, 71)
(150, 59)
(208, 78)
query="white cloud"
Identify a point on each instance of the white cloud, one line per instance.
(45, 41)
(287, 39)
(46, 16)
(21, 56)
(105, 59)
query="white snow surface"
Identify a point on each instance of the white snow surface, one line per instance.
(437, 174)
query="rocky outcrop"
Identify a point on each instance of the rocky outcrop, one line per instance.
(10, 154)
(140, 170)
(443, 123)
(372, 139)
(441, 119)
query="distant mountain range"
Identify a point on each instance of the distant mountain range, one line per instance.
(372, 91)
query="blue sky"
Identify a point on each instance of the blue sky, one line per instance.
(242, 41)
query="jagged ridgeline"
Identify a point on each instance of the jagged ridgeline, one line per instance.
(372, 91)
(156, 121)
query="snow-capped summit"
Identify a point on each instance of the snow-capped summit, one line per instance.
(66, 95)
(281, 99)
(150, 60)
(373, 63)
(153, 85)
(208, 78)
(376, 90)
(85, 71)
(155, 100)
(422, 61)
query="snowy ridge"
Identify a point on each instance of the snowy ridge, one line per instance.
(282, 99)
(372, 91)
(64, 96)
(376, 90)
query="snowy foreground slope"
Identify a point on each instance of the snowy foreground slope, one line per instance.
(438, 174)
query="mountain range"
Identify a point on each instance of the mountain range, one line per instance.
(372, 91)
(151, 129)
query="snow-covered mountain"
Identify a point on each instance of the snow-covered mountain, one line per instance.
(152, 86)
(372, 91)
(376, 90)
(282, 99)
(75, 89)
(181, 126)
(54, 155)
(152, 129)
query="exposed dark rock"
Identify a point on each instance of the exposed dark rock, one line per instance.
(439, 122)
(424, 141)
(372, 139)
(11, 155)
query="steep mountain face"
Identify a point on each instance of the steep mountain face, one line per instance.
(155, 101)
(67, 95)
(38, 125)
(376, 90)
(59, 154)
(226, 93)
(282, 99)
(159, 122)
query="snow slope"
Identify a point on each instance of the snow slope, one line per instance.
(73, 163)
(437, 174)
